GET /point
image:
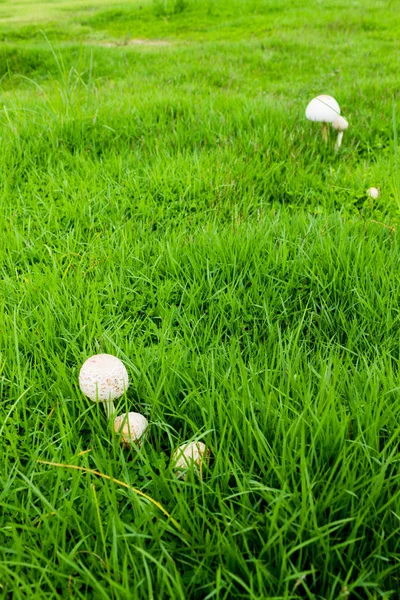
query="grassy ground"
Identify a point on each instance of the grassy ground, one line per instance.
(164, 199)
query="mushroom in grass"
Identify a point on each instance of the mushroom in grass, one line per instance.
(131, 427)
(323, 109)
(339, 124)
(189, 455)
(373, 192)
(103, 378)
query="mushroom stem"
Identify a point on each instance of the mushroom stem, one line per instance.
(340, 125)
(325, 132)
(109, 408)
(339, 141)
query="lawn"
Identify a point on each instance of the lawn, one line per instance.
(165, 200)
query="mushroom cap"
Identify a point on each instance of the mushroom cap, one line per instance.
(340, 124)
(323, 108)
(190, 454)
(373, 192)
(131, 428)
(103, 377)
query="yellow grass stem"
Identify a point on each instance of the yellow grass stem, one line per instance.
(118, 482)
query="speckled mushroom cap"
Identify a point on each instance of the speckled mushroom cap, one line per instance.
(103, 377)
(190, 453)
(323, 108)
(131, 427)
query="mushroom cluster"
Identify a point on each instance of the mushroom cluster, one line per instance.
(325, 109)
(104, 378)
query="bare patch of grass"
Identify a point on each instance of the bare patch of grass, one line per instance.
(126, 43)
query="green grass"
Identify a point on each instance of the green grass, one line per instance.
(171, 205)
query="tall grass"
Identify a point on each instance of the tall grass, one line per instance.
(172, 206)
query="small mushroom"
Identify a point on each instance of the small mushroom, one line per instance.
(323, 109)
(131, 427)
(103, 378)
(340, 124)
(189, 454)
(373, 192)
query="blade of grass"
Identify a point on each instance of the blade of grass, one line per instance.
(118, 482)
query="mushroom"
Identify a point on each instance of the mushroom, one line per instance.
(103, 378)
(189, 454)
(373, 192)
(131, 427)
(323, 109)
(339, 124)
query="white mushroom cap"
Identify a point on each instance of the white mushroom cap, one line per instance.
(323, 108)
(340, 124)
(188, 455)
(373, 192)
(103, 378)
(131, 427)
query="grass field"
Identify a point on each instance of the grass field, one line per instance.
(164, 199)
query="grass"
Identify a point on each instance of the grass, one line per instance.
(170, 204)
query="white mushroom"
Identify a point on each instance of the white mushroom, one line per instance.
(189, 454)
(131, 427)
(323, 109)
(340, 124)
(103, 378)
(373, 192)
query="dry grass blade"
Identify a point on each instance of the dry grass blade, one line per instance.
(118, 482)
(390, 227)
